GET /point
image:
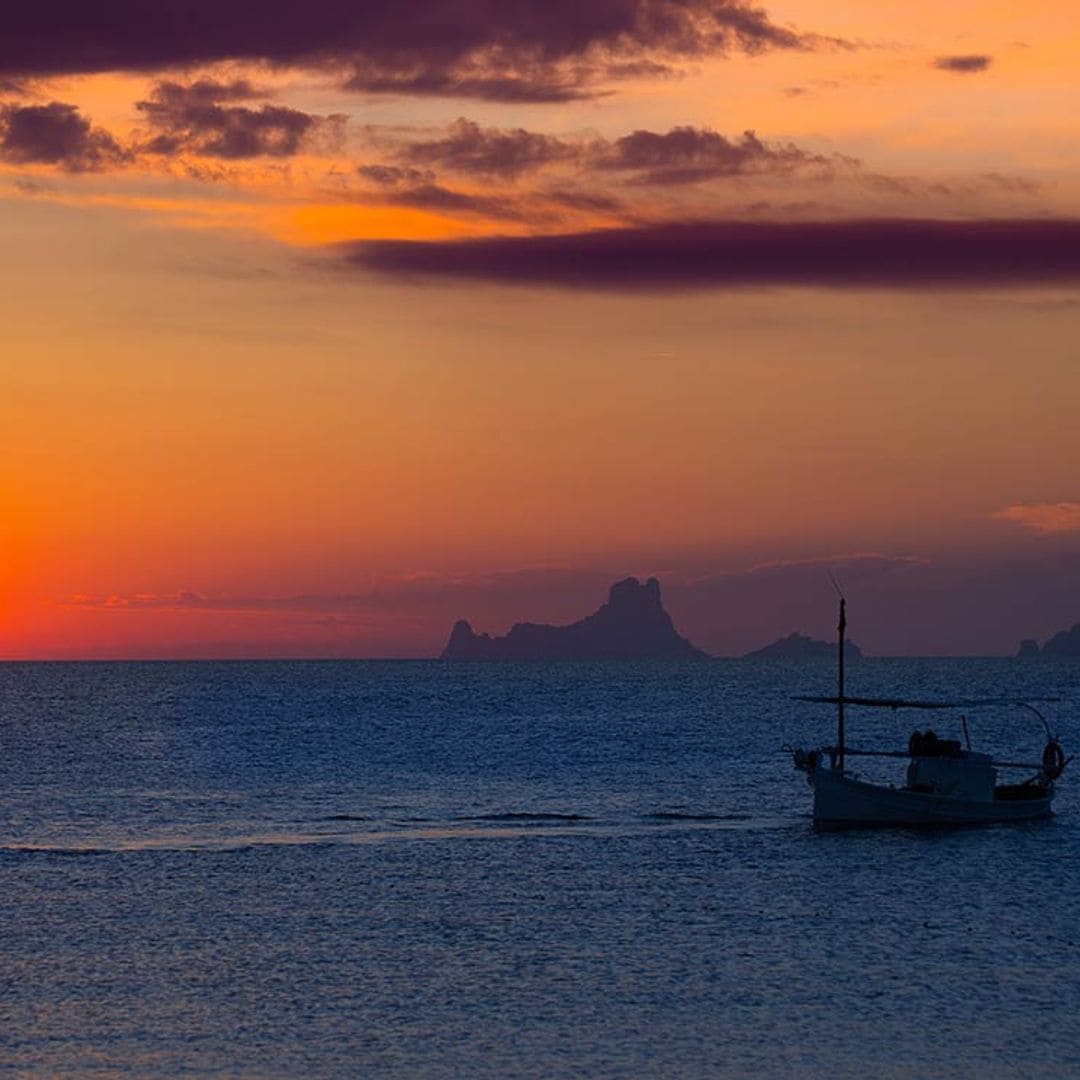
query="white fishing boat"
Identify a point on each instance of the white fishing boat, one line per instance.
(945, 783)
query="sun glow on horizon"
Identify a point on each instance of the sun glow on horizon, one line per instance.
(213, 387)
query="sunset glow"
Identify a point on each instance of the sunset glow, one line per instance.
(318, 340)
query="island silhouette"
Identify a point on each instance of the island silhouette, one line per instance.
(1064, 644)
(801, 647)
(632, 625)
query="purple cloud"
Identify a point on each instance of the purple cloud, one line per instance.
(705, 254)
(408, 186)
(964, 65)
(56, 134)
(524, 50)
(389, 175)
(469, 148)
(437, 197)
(193, 119)
(686, 155)
(679, 156)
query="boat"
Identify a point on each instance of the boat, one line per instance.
(945, 783)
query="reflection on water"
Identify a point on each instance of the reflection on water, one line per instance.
(428, 870)
(526, 824)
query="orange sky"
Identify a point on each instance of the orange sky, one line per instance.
(201, 397)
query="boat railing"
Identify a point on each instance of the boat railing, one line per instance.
(1038, 766)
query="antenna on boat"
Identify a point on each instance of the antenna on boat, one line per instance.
(841, 628)
(835, 584)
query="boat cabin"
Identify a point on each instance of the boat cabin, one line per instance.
(941, 767)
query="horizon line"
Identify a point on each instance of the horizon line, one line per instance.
(441, 660)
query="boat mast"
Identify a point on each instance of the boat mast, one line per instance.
(840, 685)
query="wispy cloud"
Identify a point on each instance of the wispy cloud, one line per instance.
(390, 593)
(1046, 518)
(968, 64)
(846, 559)
(137, 601)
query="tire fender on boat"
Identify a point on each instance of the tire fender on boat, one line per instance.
(1053, 759)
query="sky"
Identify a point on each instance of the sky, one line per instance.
(329, 325)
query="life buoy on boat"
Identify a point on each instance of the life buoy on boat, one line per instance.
(1053, 759)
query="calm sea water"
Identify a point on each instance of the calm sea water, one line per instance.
(421, 869)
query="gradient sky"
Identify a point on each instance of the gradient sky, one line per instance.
(329, 325)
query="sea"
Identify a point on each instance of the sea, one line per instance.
(425, 869)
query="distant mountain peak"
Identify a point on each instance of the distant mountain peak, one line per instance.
(631, 593)
(632, 625)
(461, 634)
(800, 647)
(1064, 644)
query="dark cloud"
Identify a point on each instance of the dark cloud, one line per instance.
(530, 86)
(438, 197)
(683, 155)
(686, 155)
(469, 148)
(206, 92)
(389, 175)
(584, 200)
(523, 50)
(191, 118)
(964, 65)
(844, 254)
(403, 185)
(680, 156)
(56, 134)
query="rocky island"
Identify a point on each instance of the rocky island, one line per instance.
(1063, 645)
(801, 647)
(632, 625)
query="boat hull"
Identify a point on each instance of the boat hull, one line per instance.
(840, 801)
